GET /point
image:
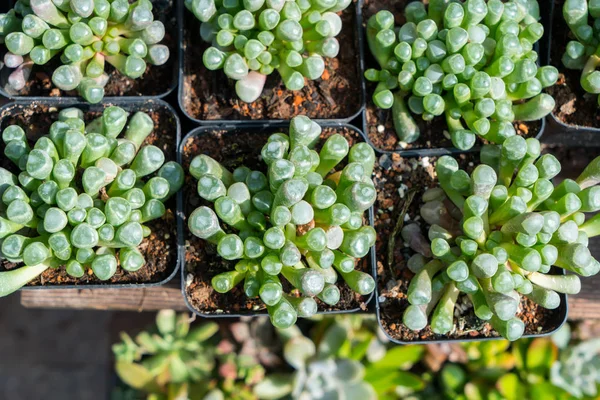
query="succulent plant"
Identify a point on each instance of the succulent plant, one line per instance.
(495, 235)
(253, 38)
(577, 369)
(85, 34)
(82, 196)
(300, 220)
(183, 361)
(320, 372)
(583, 53)
(176, 354)
(472, 62)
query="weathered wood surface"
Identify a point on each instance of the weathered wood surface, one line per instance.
(143, 299)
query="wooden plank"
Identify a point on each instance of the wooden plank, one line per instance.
(143, 299)
(586, 304)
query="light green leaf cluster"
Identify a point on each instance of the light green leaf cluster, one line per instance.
(253, 38)
(583, 18)
(85, 34)
(83, 195)
(301, 219)
(511, 225)
(472, 62)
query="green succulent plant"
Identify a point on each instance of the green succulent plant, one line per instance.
(583, 53)
(321, 373)
(496, 233)
(577, 370)
(85, 34)
(472, 62)
(81, 196)
(173, 356)
(183, 361)
(253, 38)
(299, 220)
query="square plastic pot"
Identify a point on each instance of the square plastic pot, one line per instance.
(420, 147)
(558, 131)
(559, 315)
(164, 10)
(156, 105)
(188, 23)
(262, 131)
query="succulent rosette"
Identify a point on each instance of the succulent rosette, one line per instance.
(583, 53)
(472, 62)
(85, 35)
(253, 38)
(496, 234)
(81, 196)
(301, 220)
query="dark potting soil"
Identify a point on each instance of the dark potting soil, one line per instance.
(574, 106)
(157, 80)
(380, 126)
(210, 95)
(395, 178)
(234, 149)
(159, 249)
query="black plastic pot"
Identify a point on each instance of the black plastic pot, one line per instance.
(417, 149)
(53, 106)
(159, 14)
(186, 18)
(560, 314)
(265, 129)
(559, 131)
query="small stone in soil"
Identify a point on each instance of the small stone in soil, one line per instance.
(385, 162)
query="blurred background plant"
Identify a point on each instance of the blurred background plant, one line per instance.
(175, 361)
(345, 358)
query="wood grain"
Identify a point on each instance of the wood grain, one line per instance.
(144, 299)
(586, 304)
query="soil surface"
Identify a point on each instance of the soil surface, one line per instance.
(395, 178)
(160, 248)
(210, 95)
(379, 123)
(233, 149)
(574, 106)
(156, 81)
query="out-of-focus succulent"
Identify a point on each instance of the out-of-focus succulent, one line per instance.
(473, 62)
(583, 18)
(320, 372)
(496, 233)
(181, 361)
(252, 38)
(85, 34)
(82, 197)
(176, 354)
(300, 220)
(577, 370)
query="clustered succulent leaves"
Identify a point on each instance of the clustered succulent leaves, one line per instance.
(321, 371)
(472, 62)
(85, 35)
(577, 369)
(253, 38)
(178, 360)
(583, 53)
(495, 235)
(300, 220)
(82, 196)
